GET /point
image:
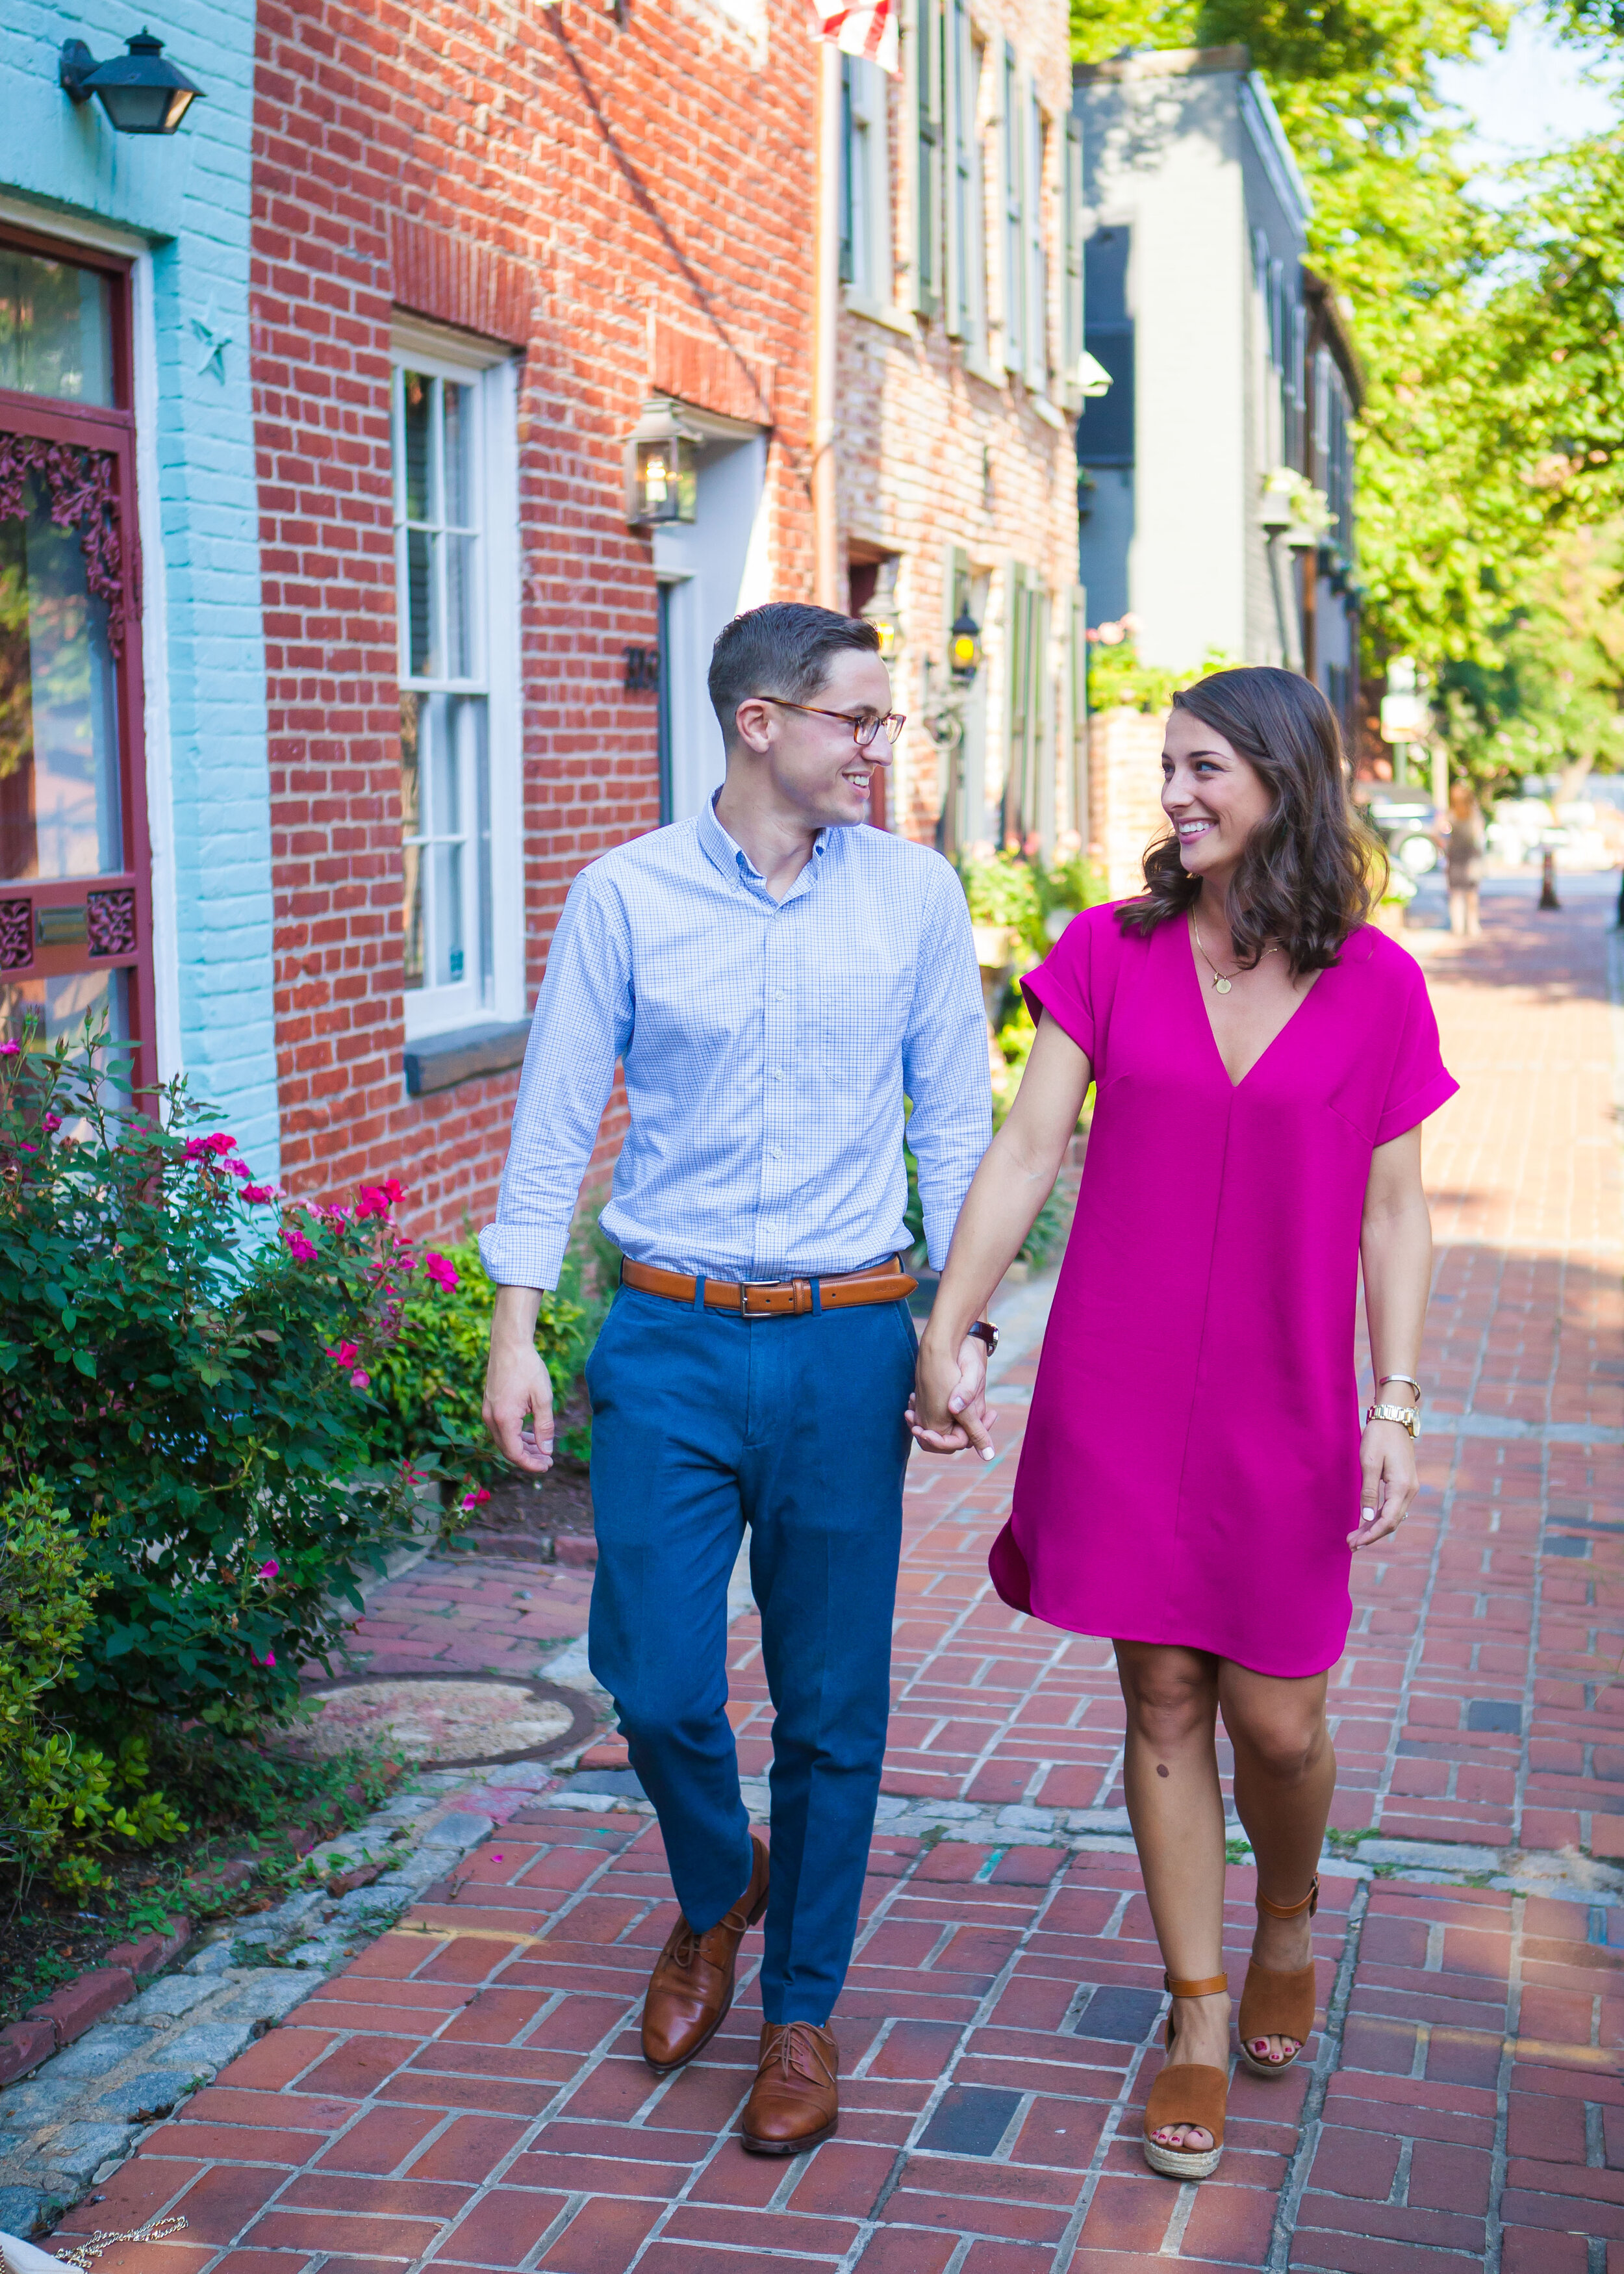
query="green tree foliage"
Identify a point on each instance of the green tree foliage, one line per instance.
(1551, 703)
(1489, 339)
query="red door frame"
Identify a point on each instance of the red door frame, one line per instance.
(111, 432)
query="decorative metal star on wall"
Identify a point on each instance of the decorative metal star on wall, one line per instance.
(217, 339)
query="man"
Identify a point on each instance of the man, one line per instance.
(775, 978)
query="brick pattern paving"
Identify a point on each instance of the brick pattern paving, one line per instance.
(469, 2094)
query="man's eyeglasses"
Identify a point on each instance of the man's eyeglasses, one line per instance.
(864, 727)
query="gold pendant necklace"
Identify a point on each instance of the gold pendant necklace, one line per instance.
(1222, 981)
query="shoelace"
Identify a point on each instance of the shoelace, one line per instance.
(797, 2053)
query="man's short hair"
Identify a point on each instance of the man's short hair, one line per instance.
(785, 649)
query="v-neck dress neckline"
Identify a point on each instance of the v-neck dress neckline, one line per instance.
(1190, 1471)
(1274, 1040)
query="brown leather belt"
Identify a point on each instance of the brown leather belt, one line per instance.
(767, 1299)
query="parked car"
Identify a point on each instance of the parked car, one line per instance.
(1407, 822)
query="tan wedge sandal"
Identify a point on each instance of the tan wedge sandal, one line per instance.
(1192, 2093)
(1277, 2003)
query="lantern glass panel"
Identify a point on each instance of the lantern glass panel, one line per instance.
(666, 486)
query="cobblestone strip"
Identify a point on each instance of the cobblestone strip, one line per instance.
(1327, 2059)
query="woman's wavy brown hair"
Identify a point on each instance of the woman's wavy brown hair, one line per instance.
(1311, 872)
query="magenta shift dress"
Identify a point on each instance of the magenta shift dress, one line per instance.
(1190, 1469)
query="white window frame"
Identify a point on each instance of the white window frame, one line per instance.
(1012, 235)
(866, 156)
(497, 997)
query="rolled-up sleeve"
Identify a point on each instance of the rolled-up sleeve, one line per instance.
(583, 1024)
(945, 1063)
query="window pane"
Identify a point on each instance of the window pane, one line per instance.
(459, 607)
(56, 328)
(417, 394)
(459, 445)
(38, 1010)
(472, 724)
(412, 710)
(420, 605)
(59, 806)
(449, 957)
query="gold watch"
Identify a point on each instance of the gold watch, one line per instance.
(1406, 1416)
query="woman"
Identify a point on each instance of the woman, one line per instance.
(1193, 1476)
(1464, 855)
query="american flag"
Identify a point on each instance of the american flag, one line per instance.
(867, 29)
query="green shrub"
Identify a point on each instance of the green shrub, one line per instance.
(184, 1358)
(429, 1384)
(62, 1803)
(1117, 681)
(1002, 888)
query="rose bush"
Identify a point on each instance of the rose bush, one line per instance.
(428, 1384)
(184, 1362)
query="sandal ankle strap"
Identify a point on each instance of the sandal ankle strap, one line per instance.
(1310, 1903)
(1208, 1987)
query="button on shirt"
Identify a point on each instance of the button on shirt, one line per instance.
(767, 1045)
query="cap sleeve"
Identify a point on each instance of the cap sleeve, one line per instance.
(1419, 1082)
(1066, 982)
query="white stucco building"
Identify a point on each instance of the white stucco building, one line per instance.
(1233, 376)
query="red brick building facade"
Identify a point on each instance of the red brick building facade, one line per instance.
(483, 240)
(486, 245)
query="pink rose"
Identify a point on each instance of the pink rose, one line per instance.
(9, 1050)
(196, 1148)
(360, 1379)
(259, 1194)
(345, 1353)
(299, 1247)
(268, 1570)
(477, 1498)
(441, 1270)
(268, 1659)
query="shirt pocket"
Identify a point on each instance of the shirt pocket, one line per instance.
(863, 1016)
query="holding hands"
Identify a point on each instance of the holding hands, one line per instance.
(948, 1411)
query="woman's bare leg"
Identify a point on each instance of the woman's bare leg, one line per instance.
(1176, 1807)
(1285, 1773)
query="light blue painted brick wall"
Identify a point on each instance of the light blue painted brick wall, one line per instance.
(188, 196)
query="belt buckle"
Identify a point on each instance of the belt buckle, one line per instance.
(799, 1291)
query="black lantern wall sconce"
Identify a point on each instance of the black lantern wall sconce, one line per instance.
(964, 653)
(662, 481)
(140, 92)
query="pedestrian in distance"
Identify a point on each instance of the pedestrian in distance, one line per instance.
(1194, 1479)
(775, 978)
(1463, 860)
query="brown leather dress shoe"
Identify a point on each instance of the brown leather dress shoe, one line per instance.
(795, 2102)
(692, 1986)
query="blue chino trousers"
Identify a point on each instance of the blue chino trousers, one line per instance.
(705, 1422)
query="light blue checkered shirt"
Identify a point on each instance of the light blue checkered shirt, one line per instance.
(767, 1047)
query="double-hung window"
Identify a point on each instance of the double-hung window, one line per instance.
(456, 487)
(866, 257)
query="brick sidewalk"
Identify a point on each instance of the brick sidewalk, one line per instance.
(468, 2094)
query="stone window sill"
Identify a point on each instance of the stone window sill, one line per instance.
(441, 1061)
